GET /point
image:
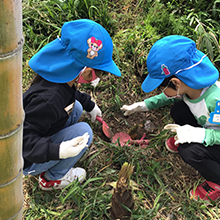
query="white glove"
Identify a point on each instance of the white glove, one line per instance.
(95, 112)
(74, 146)
(187, 133)
(136, 107)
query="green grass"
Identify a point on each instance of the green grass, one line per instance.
(163, 190)
(163, 179)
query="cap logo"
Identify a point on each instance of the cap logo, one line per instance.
(94, 46)
(165, 70)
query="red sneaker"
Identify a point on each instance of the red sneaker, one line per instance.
(205, 191)
(72, 175)
(170, 145)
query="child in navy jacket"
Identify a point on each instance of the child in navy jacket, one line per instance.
(53, 139)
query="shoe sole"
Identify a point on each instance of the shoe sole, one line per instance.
(192, 196)
(52, 188)
(172, 151)
(195, 198)
(49, 189)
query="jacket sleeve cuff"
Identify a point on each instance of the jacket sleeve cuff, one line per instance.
(53, 153)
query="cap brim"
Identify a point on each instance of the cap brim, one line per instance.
(48, 64)
(202, 75)
(110, 67)
(150, 84)
(54, 64)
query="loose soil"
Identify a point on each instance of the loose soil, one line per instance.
(120, 123)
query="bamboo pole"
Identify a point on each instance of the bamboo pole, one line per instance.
(11, 110)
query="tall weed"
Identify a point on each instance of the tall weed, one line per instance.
(42, 20)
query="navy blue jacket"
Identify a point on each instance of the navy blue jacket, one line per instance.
(44, 105)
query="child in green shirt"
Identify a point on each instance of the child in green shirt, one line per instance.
(189, 81)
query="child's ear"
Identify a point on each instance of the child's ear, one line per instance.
(176, 82)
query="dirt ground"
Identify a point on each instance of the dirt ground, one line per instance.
(120, 123)
(157, 118)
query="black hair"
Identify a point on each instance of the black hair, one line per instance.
(168, 83)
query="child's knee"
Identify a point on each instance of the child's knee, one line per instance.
(189, 154)
(85, 127)
(78, 107)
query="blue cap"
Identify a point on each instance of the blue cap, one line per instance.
(177, 55)
(83, 43)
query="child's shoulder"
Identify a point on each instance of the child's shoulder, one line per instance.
(214, 89)
(48, 91)
(217, 83)
(213, 93)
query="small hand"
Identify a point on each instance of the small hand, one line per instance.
(136, 107)
(95, 112)
(73, 147)
(187, 133)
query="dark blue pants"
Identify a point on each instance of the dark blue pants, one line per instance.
(204, 159)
